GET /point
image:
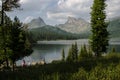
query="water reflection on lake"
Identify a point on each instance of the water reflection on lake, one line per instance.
(52, 50)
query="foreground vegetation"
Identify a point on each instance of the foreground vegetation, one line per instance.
(102, 68)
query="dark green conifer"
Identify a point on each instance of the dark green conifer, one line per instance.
(6, 5)
(70, 55)
(99, 38)
(73, 53)
(63, 55)
(20, 45)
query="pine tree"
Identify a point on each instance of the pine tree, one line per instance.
(99, 38)
(5, 38)
(89, 52)
(70, 55)
(75, 52)
(20, 45)
(113, 50)
(6, 5)
(63, 55)
(83, 52)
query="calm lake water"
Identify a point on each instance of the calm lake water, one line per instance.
(52, 50)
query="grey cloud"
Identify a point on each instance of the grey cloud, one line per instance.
(57, 11)
(113, 8)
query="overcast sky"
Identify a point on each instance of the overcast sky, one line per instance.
(57, 11)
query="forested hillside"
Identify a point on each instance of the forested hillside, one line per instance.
(51, 33)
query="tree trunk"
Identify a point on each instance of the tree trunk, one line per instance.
(97, 54)
(2, 15)
(3, 34)
(13, 67)
(7, 63)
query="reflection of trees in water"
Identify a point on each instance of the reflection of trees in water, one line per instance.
(49, 52)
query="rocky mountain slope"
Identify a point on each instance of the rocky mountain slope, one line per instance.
(36, 23)
(51, 33)
(74, 25)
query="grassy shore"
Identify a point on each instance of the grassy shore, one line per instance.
(102, 68)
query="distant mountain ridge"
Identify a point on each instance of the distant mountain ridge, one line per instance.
(72, 29)
(74, 25)
(40, 31)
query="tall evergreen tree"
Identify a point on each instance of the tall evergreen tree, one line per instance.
(73, 53)
(99, 38)
(6, 5)
(20, 45)
(63, 55)
(70, 55)
(5, 37)
(83, 52)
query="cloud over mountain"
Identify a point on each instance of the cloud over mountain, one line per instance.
(57, 11)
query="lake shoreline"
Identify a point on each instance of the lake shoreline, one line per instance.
(79, 41)
(51, 50)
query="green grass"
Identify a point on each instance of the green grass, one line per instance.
(102, 68)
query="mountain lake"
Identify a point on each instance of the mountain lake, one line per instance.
(52, 50)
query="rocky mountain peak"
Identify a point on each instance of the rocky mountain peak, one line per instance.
(71, 20)
(38, 20)
(35, 23)
(75, 25)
